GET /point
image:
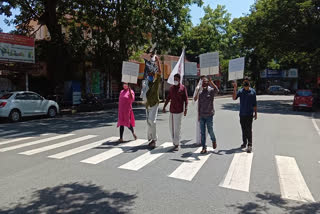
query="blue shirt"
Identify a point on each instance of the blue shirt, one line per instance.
(248, 101)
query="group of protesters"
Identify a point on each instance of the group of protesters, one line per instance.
(203, 96)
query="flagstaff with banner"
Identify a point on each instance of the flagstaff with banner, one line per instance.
(178, 69)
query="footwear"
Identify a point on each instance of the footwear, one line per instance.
(135, 136)
(176, 148)
(214, 145)
(243, 146)
(120, 140)
(204, 151)
(152, 145)
(249, 149)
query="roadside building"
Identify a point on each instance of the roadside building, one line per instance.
(285, 78)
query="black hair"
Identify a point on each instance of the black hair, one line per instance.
(178, 76)
(205, 78)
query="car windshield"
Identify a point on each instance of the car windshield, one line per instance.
(304, 93)
(5, 96)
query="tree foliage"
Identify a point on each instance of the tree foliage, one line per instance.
(105, 31)
(283, 30)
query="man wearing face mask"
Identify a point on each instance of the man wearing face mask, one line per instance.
(206, 112)
(179, 99)
(152, 103)
(248, 111)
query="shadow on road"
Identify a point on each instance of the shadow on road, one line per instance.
(267, 201)
(270, 107)
(75, 198)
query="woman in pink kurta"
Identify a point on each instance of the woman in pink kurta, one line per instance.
(125, 112)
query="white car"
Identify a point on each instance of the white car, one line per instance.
(15, 105)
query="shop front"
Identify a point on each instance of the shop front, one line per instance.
(285, 78)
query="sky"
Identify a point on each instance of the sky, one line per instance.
(237, 8)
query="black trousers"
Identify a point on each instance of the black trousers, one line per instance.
(246, 126)
(122, 130)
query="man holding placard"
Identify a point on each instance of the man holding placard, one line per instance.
(152, 103)
(206, 112)
(248, 111)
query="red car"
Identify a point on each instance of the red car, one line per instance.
(303, 99)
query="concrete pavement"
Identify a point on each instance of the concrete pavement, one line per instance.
(73, 165)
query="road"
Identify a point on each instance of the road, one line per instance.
(73, 165)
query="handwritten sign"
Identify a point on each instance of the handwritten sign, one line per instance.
(209, 63)
(236, 69)
(130, 72)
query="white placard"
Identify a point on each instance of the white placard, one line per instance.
(130, 72)
(236, 69)
(209, 63)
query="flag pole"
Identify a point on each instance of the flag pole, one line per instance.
(163, 81)
(184, 63)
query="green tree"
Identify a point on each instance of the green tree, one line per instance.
(215, 32)
(283, 30)
(117, 28)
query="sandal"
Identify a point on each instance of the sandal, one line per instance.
(214, 145)
(204, 151)
(152, 145)
(135, 136)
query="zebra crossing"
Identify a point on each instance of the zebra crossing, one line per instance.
(237, 176)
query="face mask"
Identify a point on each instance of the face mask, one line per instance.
(150, 78)
(176, 83)
(153, 59)
(125, 87)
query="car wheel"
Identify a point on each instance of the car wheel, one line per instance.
(52, 112)
(15, 116)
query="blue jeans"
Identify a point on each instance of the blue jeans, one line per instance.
(209, 122)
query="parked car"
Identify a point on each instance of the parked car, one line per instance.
(277, 89)
(303, 99)
(15, 105)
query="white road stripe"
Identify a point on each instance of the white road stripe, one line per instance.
(147, 158)
(7, 132)
(35, 142)
(315, 124)
(188, 169)
(57, 145)
(16, 135)
(292, 183)
(82, 148)
(16, 139)
(238, 175)
(112, 152)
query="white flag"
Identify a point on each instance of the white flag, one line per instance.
(178, 69)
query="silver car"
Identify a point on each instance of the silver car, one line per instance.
(15, 105)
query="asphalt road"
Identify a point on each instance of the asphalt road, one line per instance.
(71, 165)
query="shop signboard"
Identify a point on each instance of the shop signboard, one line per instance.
(263, 74)
(16, 48)
(272, 73)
